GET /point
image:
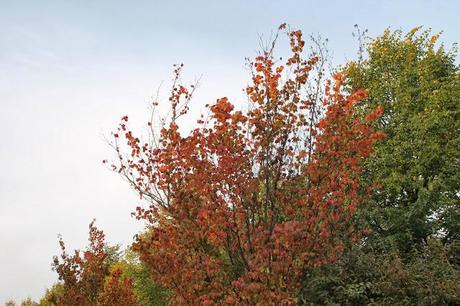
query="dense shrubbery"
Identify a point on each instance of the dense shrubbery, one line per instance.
(363, 276)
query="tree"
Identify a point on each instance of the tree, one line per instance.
(86, 276)
(27, 302)
(147, 292)
(417, 165)
(248, 200)
(52, 295)
(82, 274)
(411, 255)
(118, 290)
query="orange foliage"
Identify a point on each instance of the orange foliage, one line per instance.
(244, 203)
(117, 290)
(83, 275)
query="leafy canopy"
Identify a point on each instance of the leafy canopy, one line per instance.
(245, 202)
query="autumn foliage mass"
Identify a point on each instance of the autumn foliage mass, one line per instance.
(245, 206)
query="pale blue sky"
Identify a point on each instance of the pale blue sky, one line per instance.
(71, 69)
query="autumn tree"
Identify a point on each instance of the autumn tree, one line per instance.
(117, 290)
(86, 277)
(245, 202)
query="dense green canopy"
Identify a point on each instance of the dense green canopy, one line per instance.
(411, 256)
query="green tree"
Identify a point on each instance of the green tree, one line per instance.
(411, 255)
(52, 295)
(147, 292)
(417, 166)
(27, 302)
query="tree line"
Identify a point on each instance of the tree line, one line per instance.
(330, 187)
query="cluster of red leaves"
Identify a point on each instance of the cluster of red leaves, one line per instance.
(244, 203)
(83, 275)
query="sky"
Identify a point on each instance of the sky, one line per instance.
(69, 70)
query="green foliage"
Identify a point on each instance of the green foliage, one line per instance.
(147, 292)
(363, 277)
(27, 302)
(417, 165)
(52, 295)
(411, 256)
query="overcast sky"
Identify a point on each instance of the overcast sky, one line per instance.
(69, 70)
